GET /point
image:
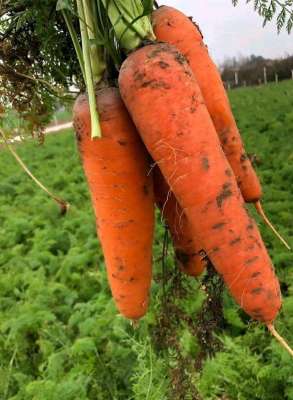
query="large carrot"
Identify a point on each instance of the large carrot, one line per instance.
(165, 102)
(172, 26)
(189, 254)
(116, 167)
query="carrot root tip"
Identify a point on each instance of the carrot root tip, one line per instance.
(134, 323)
(261, 212)
(280, 339)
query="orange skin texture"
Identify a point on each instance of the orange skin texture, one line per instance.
(166, 105)
(172, 26)
(116, 167)
(189, 255)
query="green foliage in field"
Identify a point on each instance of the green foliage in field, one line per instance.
(60, 335)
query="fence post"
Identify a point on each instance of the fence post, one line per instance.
(236, 78)
(276, 78)
(265, 75)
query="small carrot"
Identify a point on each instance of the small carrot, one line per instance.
(172, 26)
(180, 136)
(116, 167)
(189, 255)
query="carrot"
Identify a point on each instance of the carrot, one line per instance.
(172, 26)
(190, 257)
(116, 167)
(166, 105)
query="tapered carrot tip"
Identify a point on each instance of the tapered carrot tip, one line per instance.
(279, 338)
(261, 212)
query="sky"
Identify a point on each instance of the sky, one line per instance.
(235, 31)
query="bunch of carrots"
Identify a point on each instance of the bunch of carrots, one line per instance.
(166, 136)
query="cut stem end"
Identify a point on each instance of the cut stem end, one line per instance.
(64, 207)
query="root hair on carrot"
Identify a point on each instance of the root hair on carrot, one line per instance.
(261, 212)
(280, 339)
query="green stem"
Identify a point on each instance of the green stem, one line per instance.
(96, 129)
(99, 14)
(130, 26)
(107, 33)
(98, 66)
(128, 16)
(75, 41)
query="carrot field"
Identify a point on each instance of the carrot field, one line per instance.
(60, 334)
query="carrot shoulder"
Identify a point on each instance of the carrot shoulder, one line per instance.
(166, 105)
(116, 167)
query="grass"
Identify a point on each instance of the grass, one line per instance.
(60, 335)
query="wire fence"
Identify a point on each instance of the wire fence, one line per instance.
(263, 79)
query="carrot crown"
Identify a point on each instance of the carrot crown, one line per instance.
(130, 21)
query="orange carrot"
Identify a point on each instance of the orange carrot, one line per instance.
(172, 26)
(116, 167)
(189, 255)
(166, 105)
